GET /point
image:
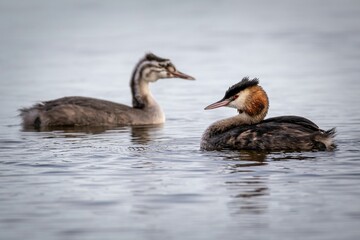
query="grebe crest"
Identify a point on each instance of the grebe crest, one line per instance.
(250, 100)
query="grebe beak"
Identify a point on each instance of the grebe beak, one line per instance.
(180, 75)
(221, 103)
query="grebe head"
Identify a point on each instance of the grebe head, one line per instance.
(152, 68)
(248, 98)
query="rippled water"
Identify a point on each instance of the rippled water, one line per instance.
(154, 182)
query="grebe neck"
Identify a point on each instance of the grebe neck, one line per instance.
(226, 124)
(141, 94)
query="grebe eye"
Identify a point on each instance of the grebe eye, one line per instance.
(171, 68)
(235, 97)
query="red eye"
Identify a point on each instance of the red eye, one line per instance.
(235, 97)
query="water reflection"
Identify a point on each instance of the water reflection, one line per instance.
(247, 195)
(242, 160)
(144, 134)
(286, 156)
(65, 129)
(247, 187)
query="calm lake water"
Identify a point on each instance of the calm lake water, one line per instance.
(154, 182)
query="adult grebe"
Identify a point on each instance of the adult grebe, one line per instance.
(84, 111)
(249, 131)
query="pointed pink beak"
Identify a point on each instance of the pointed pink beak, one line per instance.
(221, 103)
(181, 75)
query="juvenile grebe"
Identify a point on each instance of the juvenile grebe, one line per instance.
(249, 131)
(84, 111)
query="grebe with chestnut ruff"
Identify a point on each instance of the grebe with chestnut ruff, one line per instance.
(249, 131)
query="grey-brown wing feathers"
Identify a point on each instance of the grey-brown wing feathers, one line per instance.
(76, 111)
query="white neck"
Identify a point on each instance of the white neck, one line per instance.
(143, 92)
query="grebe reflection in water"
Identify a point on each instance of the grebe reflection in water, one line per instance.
(249, 131)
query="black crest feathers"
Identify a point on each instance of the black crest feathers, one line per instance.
(152, 57)
(242, 85)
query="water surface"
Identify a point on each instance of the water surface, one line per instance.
(154, 182)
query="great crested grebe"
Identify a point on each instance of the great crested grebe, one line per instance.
(248, 130)
(84, 111)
